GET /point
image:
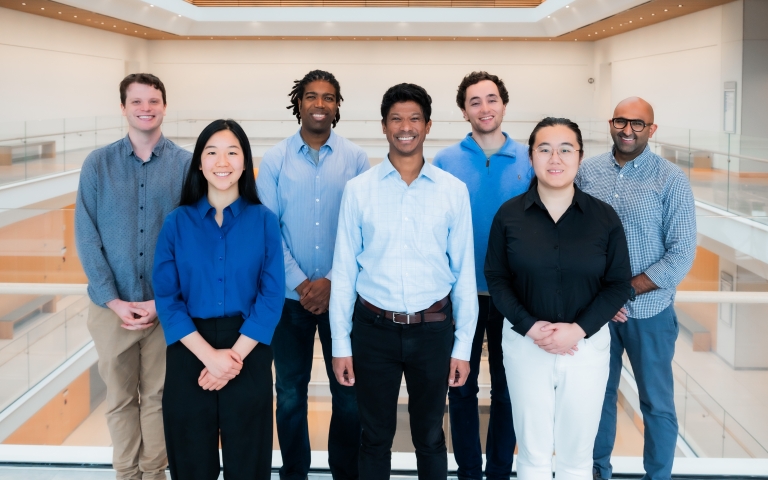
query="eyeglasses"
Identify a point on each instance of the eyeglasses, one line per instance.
(545, 152)
(636, 124)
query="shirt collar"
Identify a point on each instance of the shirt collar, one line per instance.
(299, 144)
(505, 149)
(427, 170)
(156, 152)
(637, 161)
(204, 206)
(532, 197)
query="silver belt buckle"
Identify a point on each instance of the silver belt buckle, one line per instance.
(407, 318)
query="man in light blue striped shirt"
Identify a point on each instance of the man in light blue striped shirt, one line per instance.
(301, 180)
(654, 201)
(403, 274)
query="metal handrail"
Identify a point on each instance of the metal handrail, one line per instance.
(685, 296)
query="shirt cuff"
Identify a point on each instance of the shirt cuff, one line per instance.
(257, 332)
(659, 276)
(342, 347)
(293, 278)
(177, 331)
(101, 298)
(524, 325)
(461, 350)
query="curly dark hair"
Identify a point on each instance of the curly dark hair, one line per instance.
(477, 77)
(298, 92)
(404, 92)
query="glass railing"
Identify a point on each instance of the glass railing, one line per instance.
(727, 171)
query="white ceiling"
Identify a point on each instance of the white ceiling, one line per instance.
(550, 19)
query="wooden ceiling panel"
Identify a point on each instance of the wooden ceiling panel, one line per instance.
(370, 3)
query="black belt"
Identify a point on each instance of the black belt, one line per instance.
(431, 314)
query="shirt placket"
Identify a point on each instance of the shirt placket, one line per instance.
(142, 225)
(220, 252)
(559, 274)
(316, 217)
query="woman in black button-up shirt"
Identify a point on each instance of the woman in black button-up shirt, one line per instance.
(558, 269)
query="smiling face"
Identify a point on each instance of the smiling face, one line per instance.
(144, 108)
(629, 144)
(318, 107)
(484, 109)
(222, 162)
(559, 170)
(406, 129)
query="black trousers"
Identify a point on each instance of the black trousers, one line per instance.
(382, 353)
(241, 411)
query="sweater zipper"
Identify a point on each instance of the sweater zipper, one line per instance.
(488, 164)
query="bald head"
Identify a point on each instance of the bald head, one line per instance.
(635, 115)
(634, 108)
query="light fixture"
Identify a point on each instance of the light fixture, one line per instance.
(549, 16)
(567, 6)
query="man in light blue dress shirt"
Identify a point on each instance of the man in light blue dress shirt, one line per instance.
(301, 180)
(655, 203)
(404, 273)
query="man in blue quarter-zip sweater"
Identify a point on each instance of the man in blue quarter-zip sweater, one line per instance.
(495, 168)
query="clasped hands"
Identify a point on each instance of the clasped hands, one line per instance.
(556, 338)
(134, 315)
(458, 371)
(314, 296)
(221, 366)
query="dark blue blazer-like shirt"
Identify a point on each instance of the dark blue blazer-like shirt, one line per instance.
(202, 270)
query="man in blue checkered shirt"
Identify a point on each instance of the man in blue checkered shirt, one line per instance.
(654, 201)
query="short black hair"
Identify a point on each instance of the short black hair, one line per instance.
(477, 77)
(297, 93)
(196, 186)
(551, 122)
(144, 79)
(405, 92)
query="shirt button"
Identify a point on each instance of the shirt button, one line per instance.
(219, 303)
(317, 223)
(142, 230)
(219, 280)
(220, 258)
(141, 208)
(621, 176)
(559, 315)
(317, 199)
(141, 277)
(142, 184)
(221, 237)
(615, 195)
(406, 219)
(556, 247)
(317, 247)
(141, 254)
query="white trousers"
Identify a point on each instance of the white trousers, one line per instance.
(556, 404)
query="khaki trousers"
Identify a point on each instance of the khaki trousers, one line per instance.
(132, 364)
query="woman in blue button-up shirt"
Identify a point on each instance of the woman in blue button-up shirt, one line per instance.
(219, 289)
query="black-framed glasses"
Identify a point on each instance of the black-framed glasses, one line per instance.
(637, 125)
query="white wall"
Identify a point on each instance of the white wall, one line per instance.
(256, 76)
(679, 66)
(53, 69)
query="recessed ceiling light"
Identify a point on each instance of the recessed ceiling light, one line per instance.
(679, 6)
(23, 3)
(630, 21)
(567, 6)
(151, 5)
(549, 16)
(179, 15)
(666, 10)
(59, 13)
(42, 8)
(653, 14)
